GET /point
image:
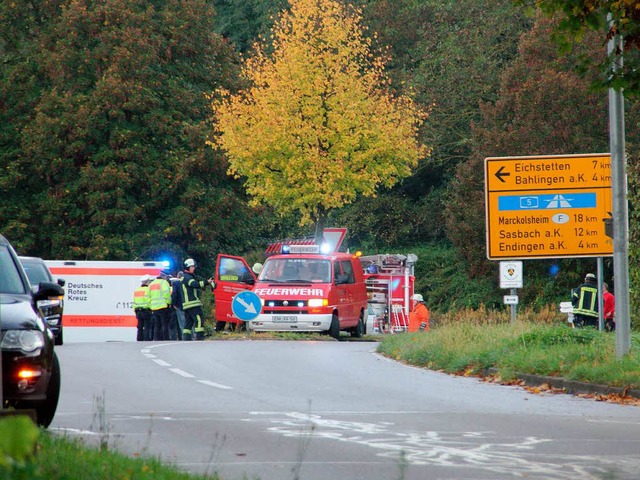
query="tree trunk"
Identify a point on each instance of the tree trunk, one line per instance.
(320, 219)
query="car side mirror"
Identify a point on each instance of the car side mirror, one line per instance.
(46, 290)
(61, 282)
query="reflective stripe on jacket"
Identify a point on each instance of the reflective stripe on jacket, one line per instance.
(160, 294)
(191, 290)
(141, 297)
(587, 301)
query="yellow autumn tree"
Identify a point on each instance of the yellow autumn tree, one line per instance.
(318, 126)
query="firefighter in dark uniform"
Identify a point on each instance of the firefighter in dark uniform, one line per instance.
(585, 303)
(141, 308)
(192, 288)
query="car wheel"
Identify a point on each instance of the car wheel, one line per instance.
(334, 329)
(59, 340)
(358, 330)
(46, 409)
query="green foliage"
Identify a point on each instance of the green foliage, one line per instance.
(18, 436)
(61, 458)
(543, 108)
(391, 221)
(242, 21)
(452, 54)
(444, 282)
(579, 17)
(560, 335)
(470, 348)
(107, 120)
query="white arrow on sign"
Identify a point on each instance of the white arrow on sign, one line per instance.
(510, 299)
(248, 307)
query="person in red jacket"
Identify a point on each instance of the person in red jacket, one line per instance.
(609, 308)
(419, 315)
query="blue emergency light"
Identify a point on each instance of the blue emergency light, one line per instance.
(285, 249)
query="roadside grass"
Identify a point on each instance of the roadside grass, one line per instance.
(61, 458)
(540, 342)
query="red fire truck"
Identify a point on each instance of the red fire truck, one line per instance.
(301, 289)
(304, 289)
(390, 284)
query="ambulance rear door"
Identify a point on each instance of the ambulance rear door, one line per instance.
(232, 276)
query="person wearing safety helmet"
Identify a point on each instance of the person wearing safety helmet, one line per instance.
(141, 307)
(585, 303)
(192, 288)
(419, 315)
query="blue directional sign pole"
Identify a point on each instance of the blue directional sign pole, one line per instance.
(246, 306)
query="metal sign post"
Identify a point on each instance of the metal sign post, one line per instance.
(511, 277)
(620, 207)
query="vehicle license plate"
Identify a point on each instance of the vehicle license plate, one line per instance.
(285, 319)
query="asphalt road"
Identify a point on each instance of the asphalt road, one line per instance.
(331, 410)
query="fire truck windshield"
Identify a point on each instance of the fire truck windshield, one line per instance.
(296, 270)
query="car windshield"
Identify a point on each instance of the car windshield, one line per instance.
(36, 271)
(10, 279)
(296, 270)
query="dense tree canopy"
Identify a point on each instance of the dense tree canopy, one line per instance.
(318, 126)
(105, 117)
(609, 18)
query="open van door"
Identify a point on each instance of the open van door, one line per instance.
(232, 276)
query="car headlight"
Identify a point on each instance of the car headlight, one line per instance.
(52, 302)
(25, 340)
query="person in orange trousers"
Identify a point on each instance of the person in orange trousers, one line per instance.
(419, 314)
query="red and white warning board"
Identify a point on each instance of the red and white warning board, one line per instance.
(98, 299)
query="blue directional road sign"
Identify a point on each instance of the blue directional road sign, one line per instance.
(246, 305)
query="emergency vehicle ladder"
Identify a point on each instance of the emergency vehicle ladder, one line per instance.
(399, 320)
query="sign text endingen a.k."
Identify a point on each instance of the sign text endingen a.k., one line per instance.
(548, 206)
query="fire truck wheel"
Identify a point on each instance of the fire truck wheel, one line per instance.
(334, 329)
(358, 330)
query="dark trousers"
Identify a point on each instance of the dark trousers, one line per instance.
(580, 321)
(193, 319)
(149, 324)
(144, 321)
(172, 325)
(161, 319)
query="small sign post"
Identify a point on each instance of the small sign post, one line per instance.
(511, 277)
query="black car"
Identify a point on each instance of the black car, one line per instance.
(30, 367)
(37, 272)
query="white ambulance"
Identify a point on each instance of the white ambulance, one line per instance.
(98, 298)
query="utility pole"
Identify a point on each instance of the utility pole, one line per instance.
(619, 202)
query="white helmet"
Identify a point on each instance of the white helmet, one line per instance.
(189, 262)
(417, 297)
(144, 278)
